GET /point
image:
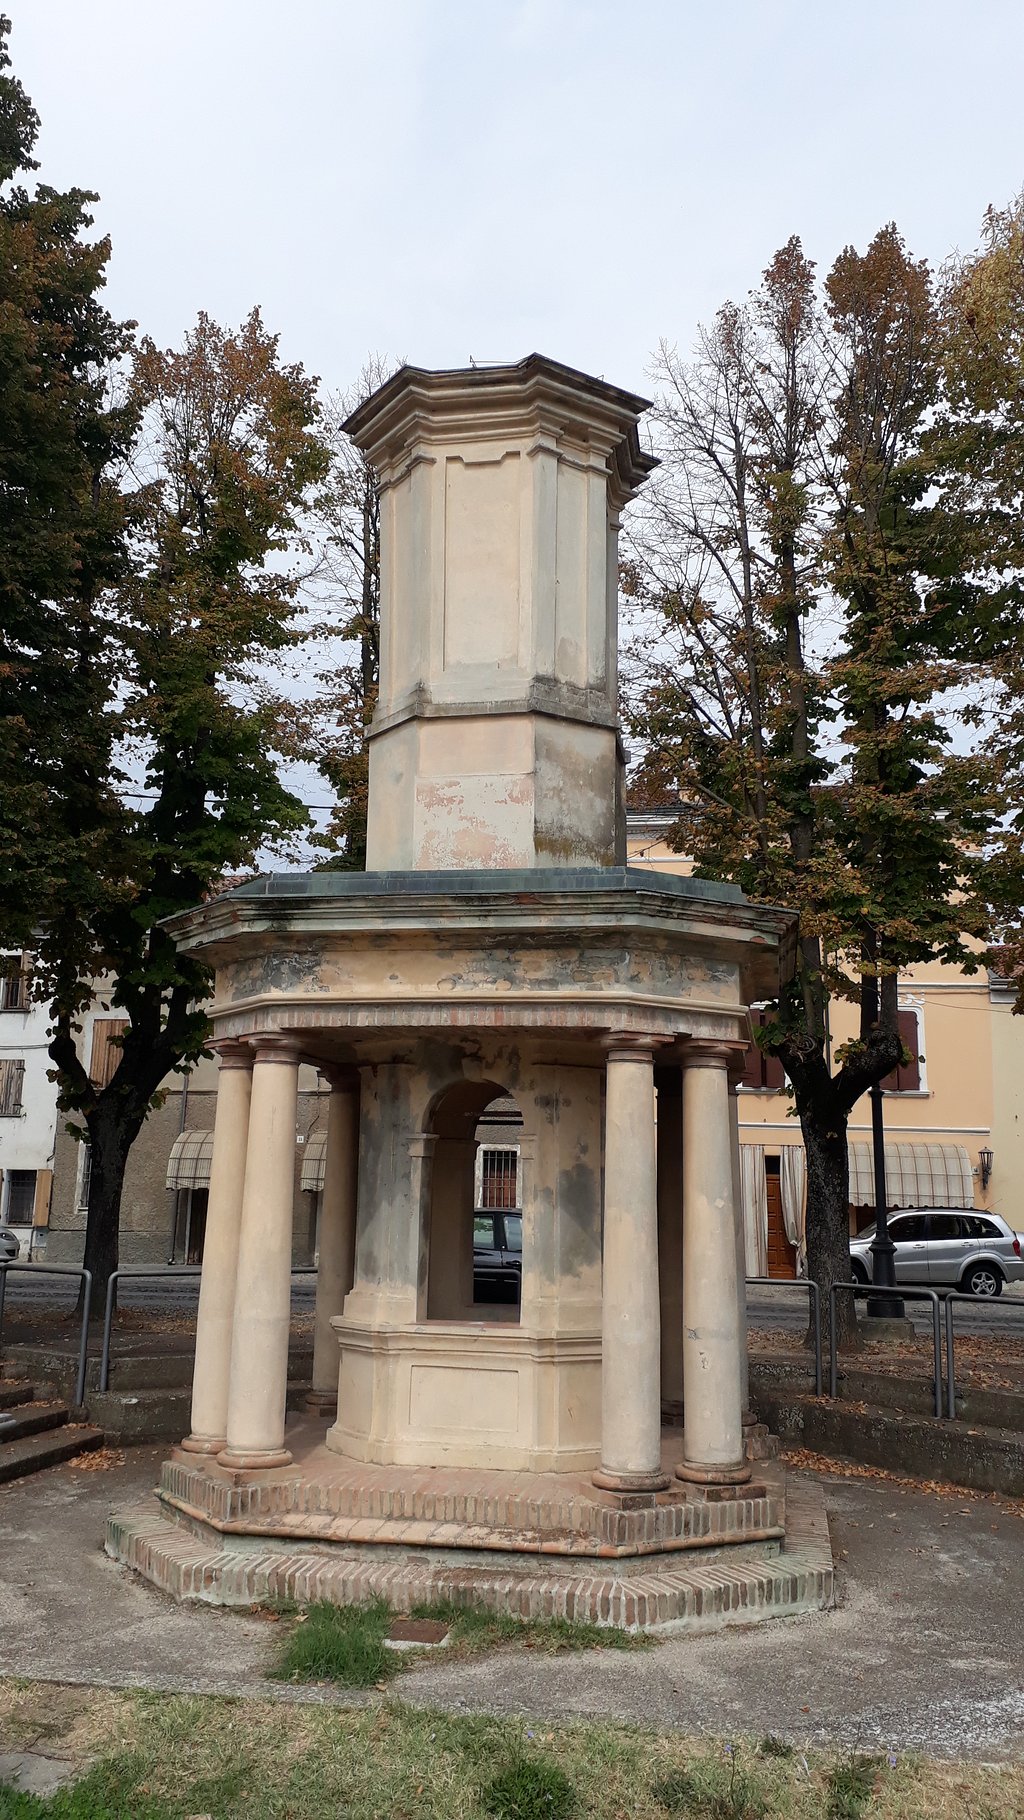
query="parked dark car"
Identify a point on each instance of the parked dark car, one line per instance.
(946, 1248)
(497, 1257)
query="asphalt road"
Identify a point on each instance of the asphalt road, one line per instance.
(779, 1310)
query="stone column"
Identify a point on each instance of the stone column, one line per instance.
(212, 1369)
(713, 1451)
(630, 1318)
(669, 1084)
(259, 1349)
(741, 1246)
(337, 1248)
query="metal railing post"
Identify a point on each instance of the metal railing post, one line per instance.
(83, 1343)
(815, 1300)
(108, 1318)
(833, 1370)
(56, 1270)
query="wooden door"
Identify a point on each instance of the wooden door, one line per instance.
(781, 1255)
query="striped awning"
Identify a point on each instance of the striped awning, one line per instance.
(916, 1175)
(188, 1165)
(313, 1158)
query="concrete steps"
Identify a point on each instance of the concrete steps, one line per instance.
(979, 1456)
(35, 1433)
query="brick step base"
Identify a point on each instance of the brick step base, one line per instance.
(51, 1448)
(329, 1499)
(674, 1593)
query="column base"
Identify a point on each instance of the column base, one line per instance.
(210, 1444)
(713, 1475)
(630, 1481)
(321, 1402)
(239, 1459)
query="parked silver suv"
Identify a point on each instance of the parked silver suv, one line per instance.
(947, 1248)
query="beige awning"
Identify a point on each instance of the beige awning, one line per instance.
(916, 1175)
(313, 1157)
(188, 1165)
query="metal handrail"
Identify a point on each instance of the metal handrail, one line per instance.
(814, 1299)
(152, 1276)
(56, 1270)
(872, 1289)
(957, 1295)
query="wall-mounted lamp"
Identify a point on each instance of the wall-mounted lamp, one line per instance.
(985, 1164)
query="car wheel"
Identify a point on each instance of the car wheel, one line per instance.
(858, 1273)
(982, 1279)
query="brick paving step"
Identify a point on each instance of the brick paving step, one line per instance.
(31, 1418)
(50, 1448)
(677, 1593)
(14, 1391)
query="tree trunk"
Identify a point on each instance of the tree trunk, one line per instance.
(110, 1140)
(828, 1218)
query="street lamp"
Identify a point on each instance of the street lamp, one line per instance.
(887, 1305)
(985, 1161)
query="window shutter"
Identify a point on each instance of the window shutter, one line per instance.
(16, 982)
(12, 1077)
(906, 1076)
(105, 1054)
(774, 1074)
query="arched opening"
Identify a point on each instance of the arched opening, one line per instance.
(475, 1231)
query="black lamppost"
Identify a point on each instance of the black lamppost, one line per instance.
(887, 1305)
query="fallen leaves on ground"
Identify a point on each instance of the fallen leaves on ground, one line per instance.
(802, 1459)
(102, 1459)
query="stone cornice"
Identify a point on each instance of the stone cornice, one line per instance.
(529, 397)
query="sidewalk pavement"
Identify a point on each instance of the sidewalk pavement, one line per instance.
(923, 1652)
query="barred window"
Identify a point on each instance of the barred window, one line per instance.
(15, 982)
(21, 1194)
(12, 1080)
(499, 1177)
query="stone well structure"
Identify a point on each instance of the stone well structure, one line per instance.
(496, 947)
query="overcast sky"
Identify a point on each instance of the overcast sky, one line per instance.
(443, 179)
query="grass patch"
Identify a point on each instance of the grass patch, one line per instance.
(713, 1791)
(851, 1784)
(163, 1757)
(529, 1788)
(475, 1629)
(343, 1643)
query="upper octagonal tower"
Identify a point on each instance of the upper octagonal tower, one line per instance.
(495, 742)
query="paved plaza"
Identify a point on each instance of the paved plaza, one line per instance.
(922, 1652)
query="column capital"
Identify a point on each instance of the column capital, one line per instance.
(232, 1052)
(274, 1048)
(633, 1046)
(700, 1052)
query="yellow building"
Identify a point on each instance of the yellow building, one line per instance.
(954, 1118)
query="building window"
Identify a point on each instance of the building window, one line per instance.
(21, 1195)
(106, 1049)
(908, 1077)
(498, 1179)
(15, 982)
(12, 1080)
(762, 1073)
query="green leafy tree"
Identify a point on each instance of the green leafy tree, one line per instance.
(801, 650)
(224, 465)
(61, 528)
